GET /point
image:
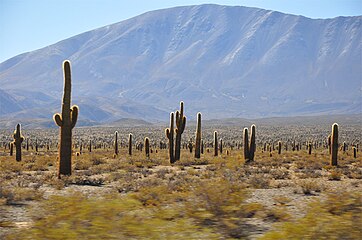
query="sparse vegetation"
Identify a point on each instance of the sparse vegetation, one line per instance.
(211, 197)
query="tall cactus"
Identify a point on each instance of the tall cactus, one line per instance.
(246, 144)
(130, 144)
(216, 150)
(116, 143)
(334, 144)
(18, 139)
(198, 137)
(180, 127)
(66, 121)
(170, 135)
(252, 145)
(147, 147)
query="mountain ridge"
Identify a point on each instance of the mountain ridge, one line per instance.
(222, 61)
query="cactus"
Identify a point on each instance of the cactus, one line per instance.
(334, 145)
(130, 144)
(18, 139)
(246, 144)
(180, 127)
(190, 146)
(202, 146)
(11, 146)
(169, 134)
(215, 144)
(198, 137)
(36, 145)
(220, 148)
(90, 146)
(252, 145)
(116, 143)
(27, 144)
(279, 147)
(354, 152)
(147, 147)
(66, 121)
(309, 148)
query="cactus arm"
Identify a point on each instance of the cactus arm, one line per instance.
(167, 132)
(58, 119)
(74, 115)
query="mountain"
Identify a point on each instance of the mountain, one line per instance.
(223, 61)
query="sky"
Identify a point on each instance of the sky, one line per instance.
(27, 25)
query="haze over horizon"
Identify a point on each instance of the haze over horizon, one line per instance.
(30, 25)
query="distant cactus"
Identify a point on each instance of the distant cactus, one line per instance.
(252, 145)
(90, 146)
(27, 144)
(221, 145)
(116, 143)
(329, 143)
(147, 147)
(202, 146)
(66, 121)
(215, 144)
(170, 135)
(246, 144)
(180, 127)
(198, 137)
(334, 145)
(18, 139)
(190, 146)
(130, 144)
(36, 145)
(354, 152)
(249, 145)
(11, 146)
(279, 147)
(309, 148)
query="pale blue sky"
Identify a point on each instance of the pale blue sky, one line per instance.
(26, 25)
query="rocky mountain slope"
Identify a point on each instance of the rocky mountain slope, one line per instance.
(222, 61)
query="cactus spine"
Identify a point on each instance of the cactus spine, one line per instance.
(130, 144)
(116, 143)
(180, 127)
(215, 144)
(18, 139)
(334, 144)
(66, 121)
(198, 137)
(170, 134)
(147, 147)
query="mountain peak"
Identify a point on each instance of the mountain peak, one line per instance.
(223, 61)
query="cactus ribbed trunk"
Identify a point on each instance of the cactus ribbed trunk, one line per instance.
(216, 150)
(180, 127)
(147, 147)
(246, 144)
(18, 139)
(170, 135)
(198, 137)
(116, 143)
(334, 145)
(66, 121)
(130, 144)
